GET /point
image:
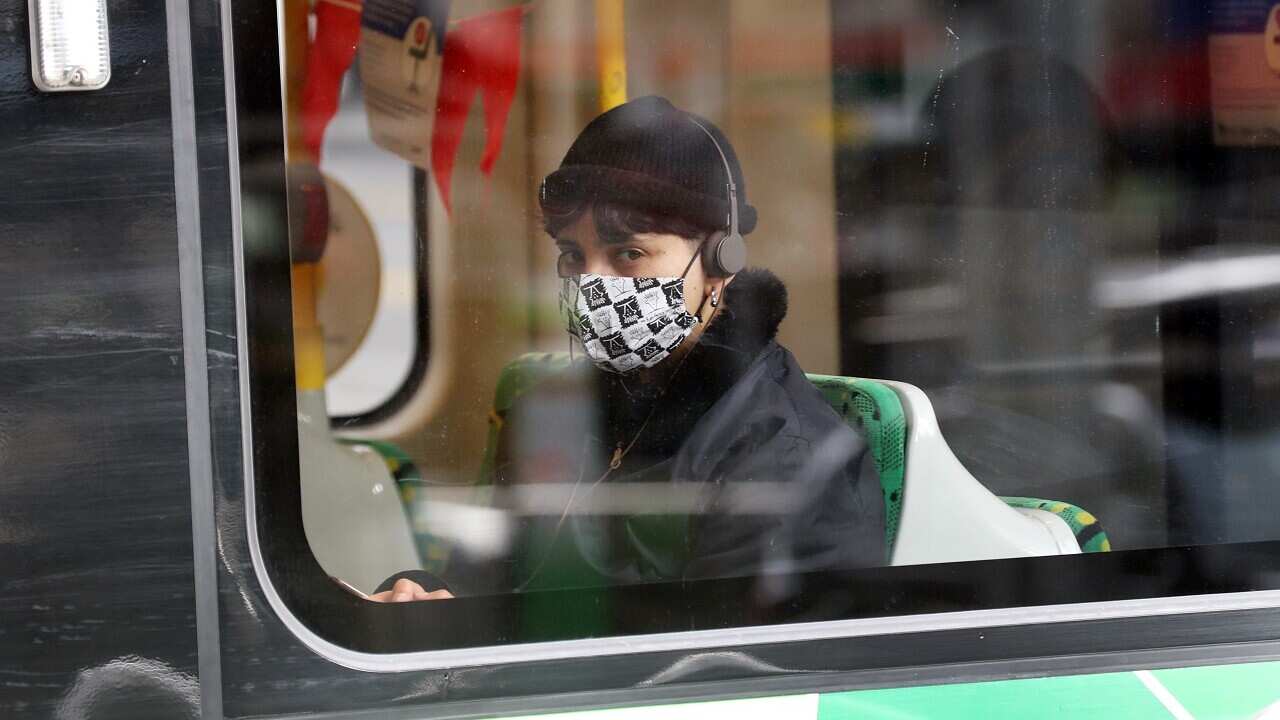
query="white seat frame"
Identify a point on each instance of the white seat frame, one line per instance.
(948, 516)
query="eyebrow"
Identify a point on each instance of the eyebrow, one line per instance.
(607, 242)
(610, 241)
(635, 238)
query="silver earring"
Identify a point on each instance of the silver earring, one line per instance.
(715, 301)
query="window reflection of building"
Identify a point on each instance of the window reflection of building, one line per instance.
(1073, 287)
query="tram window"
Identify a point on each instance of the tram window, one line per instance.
(1048, 229)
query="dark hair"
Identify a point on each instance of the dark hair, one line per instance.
(617, 223)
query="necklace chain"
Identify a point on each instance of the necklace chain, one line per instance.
(615, 462)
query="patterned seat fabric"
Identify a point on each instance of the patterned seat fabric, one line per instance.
(876, 411)
(1088, 531)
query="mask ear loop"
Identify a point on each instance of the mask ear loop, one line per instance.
(697, 313)
(696, 253)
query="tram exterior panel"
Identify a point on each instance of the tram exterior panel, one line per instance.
(147, 385)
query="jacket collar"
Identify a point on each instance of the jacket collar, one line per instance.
(753, 307)
(745, 323)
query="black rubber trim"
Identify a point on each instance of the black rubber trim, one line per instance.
(422, 318)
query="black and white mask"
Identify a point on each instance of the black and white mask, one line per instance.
(626, 323)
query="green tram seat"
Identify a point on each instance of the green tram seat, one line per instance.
(875, 410)
(935, 511)
(516, 379)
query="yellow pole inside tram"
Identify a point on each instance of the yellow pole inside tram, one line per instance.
(308, 341)
(611, 53)
(296, 38)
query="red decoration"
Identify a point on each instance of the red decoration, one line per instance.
(481, 55)
(328, 57)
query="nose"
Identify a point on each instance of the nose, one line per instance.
(597, 263)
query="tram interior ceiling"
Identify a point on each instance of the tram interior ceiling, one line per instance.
(497, 356)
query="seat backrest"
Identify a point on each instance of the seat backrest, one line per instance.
(433, 551)
(516, 379)
(866, 405)
(948, 516)
(876, 411)
(875, 408)
(353, 519)
(908, 450)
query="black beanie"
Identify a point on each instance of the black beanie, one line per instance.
(649, 155)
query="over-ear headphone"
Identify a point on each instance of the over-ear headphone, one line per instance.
(725, 253)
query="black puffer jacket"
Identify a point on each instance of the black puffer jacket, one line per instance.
(741, 469)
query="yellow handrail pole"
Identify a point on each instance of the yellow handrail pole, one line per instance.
(308, 342)
(611, 53)
(296, 37)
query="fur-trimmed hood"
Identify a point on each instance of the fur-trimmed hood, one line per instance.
(745, 325)
(754, 305)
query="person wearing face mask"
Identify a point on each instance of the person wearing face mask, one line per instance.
(688, 395)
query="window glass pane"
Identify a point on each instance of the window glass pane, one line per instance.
(1065, 243)
(761, 299)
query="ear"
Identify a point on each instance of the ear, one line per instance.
(718, 284)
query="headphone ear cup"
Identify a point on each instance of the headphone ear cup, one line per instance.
(730, 255)
(710, 265)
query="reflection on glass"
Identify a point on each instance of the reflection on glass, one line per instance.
(1049, 228)
(370, 349)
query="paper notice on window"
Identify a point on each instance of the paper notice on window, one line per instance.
(401, 45)
(1244, 70)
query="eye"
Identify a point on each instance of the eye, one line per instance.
(629, 255)
(569, 262)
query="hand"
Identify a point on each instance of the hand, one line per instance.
(406, 590)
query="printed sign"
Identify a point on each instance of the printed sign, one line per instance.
(1244, 67)
(401, 46)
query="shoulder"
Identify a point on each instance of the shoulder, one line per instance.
(805, 401)
(774, 401)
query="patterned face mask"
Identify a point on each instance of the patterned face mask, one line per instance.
(626, 323)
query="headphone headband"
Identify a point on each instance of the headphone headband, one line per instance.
(729, 254)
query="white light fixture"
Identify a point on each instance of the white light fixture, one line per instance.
(69, 46)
